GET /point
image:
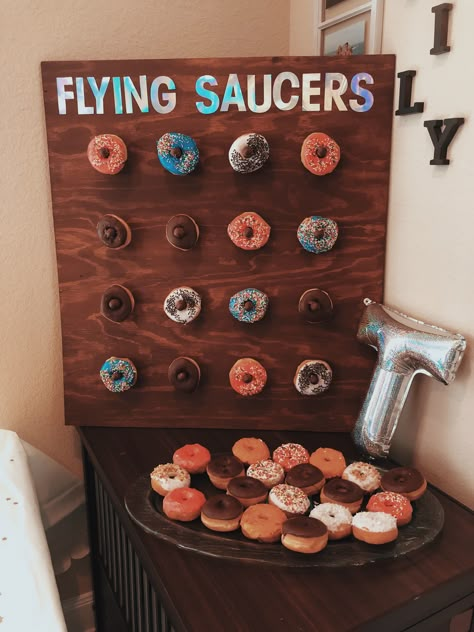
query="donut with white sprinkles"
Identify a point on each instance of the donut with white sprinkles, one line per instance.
(320, 154)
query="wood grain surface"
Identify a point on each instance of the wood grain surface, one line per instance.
(283, 192)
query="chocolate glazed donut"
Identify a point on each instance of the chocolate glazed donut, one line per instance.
(304, 527)
(343, 491)
(117, 303)
(315, 306)
(246, 487)
(402, 480)
(114, 232)
(222, 507)
(184, 374)
(224, 466)
(182, 232)
(304, 475)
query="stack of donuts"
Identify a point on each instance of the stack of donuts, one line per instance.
(292, 496)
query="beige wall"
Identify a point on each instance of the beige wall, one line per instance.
(430, 263)
(31, 397)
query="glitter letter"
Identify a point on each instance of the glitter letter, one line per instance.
(207, 94)
(334, 94)
(233, 95)
(168, 97)
(117, 95)
(99, 92)
(267, 94)
(82, 108)
(309, 91)
(294, 82)
(361, 92)
(61, 83)
(130, 91)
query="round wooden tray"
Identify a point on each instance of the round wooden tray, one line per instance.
(145, 508)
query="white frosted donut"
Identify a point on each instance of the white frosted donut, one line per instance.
(169, 476)
(183, 304)
(363, 474)
(374, 527)
(338, 519)
(313, 377)
(291, 500)
(249, 152)
(267, 471)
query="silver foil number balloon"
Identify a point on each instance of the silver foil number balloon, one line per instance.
(406, 347)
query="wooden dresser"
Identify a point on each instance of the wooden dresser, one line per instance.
(144, 584)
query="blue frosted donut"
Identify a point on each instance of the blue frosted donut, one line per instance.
(248, 305)
(177, 153)
(118, 374)
(317, 234)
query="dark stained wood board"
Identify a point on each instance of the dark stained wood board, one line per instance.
(283, 192)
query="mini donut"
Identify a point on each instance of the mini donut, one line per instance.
(342, 492)
(263, 523)
(193, 457)
(308, 478)
(331, 462)
(169, 476)
(184, 374)
(249, 231)
(183, 305)
(394, 504)
(320, 154)
(249, 305)
(292, 500)
(177, 153)
(338, 519)
(315, 306)
(363, 474)
(183, 504)
(107, 153)
(312, 377)
(114, 232)
(407, 481)
(247, 490)
(374, 527)
(249, 152)
(250, 450)
(221, 513)
(222, 468)
(117, 303)
(268, 472)
(290, 454)
(317, 234)
(247, 377)
(304, 535)
(182, 232)
(118, 374)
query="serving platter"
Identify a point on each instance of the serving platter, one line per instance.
(145, 508)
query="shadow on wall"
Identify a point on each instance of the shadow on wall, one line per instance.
(62, 505)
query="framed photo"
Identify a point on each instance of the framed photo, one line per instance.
(348, 27)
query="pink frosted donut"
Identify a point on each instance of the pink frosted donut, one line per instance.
(107, 153)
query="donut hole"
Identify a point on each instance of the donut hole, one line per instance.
(104, 152)
(248, 306)
(110, 233)
(181, 305)
(115, 303)
(117, 375)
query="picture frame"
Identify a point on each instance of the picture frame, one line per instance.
(348, 27)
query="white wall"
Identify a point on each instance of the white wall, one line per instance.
(31, 396)
(430, 262)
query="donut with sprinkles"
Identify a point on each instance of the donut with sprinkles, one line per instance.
(249, 152)
(183, 305)
(249, 231)
(118, 374)
(320, 154)
(177, 153)
(249, 305)
(313, 377)
(317, 234)
(107, 153)
(248, 377)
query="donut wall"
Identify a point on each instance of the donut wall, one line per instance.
(215, 101)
